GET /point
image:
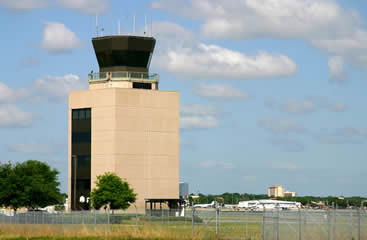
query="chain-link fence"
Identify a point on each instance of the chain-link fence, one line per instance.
(274, 224)
(331, 224)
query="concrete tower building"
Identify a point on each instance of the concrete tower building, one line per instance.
(124, 124)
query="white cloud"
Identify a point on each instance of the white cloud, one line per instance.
(172, 35)
(285, 166)
(249, 178)
(57, 89)
(350, 46)
(340, 140)
(196, 109)
(347, 135)
(220, 91)
(323, 23)
(279, 125)
(336, 69)
(295, 107)
(6, 94)
(274, 18)
(179, 51)
(338, 107)
(12, 117)
(194, 116)
(323, 103)
(31, 148)
(45, 89)
(23, 5)
(90, 7)
(355, 131)
(198, 122)
(30, 62)
(57, 38)
(305, 106)
(214, 62)
(287, 144)
(212, 164)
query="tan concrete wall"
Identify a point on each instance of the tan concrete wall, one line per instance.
(135, 133)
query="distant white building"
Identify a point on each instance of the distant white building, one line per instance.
(268, 204)
(289, 194)
(276, 191)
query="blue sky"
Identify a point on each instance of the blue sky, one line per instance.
(272, 91)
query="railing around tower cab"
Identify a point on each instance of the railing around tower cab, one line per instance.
(123, 76)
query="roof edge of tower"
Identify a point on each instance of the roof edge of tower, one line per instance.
(122, 36)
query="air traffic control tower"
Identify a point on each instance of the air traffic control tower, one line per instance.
(124, 124)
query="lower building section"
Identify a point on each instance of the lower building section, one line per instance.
(133, 133)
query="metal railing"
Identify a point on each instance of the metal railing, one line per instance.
(123, 76)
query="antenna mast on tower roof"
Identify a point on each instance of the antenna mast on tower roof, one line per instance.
(97, 25)
(134, 24)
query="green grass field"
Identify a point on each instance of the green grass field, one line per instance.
(169, 230)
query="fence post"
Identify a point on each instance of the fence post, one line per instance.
(305, 225)
(108, 220)
(359, 224)
(246, 223)
(192, 221)
(334, 221)
(162, 217)
(184, 211)
(328, 223)
(277, 225)
(95, 220)
(216, 220)
(219, 213)
(263, 224)
(168, 215)
(351, 225)
(299, 224)
(136, 218)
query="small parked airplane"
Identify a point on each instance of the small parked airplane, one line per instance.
(209, 205)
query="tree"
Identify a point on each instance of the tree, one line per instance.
(111, 190)
(31, 184)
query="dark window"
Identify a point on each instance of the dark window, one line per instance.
(81, 114)
(123, 58)
(75, 115)
(79, 137)
(87, 114)
(81, 157)
(83, 185)
(142, 85)
(84, 160)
